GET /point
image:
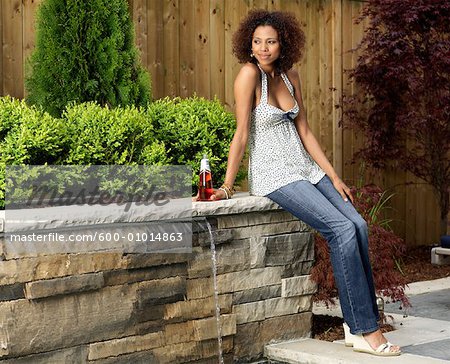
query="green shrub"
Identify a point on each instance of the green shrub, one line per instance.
(166, 132)
(28, 136)
(100, 135)
(85, 51)
(194, 126)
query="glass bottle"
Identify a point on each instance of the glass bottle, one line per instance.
(205, 185)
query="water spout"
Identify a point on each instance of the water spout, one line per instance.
(216, 290)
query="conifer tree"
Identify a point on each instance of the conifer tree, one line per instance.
(85, 51)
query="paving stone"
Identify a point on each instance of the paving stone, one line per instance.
(64, 285)
(180, 332)
(210, 348)
(435, 305)
(241, 203)
(436, 349)
(253, 218)
(138, 357)
(227, 359)
(74, 355)
(177, 353)
(65, 321)
(154, 259)
(314, 351)
(125, 345)
(52, 266)
(219, 236)
(192, 309)
(256, 294)
(268, 229)
(259, 277)
(11, 292)
(145, 327)
(116, 277)
(251, 338)
(207, 328)
(258, 251)
(281, 306)
(298, 286)
(149, 311)
(199, 288)
(249, 312)
(297, 269)
(230, 257)
(161, 291)
(289, 248)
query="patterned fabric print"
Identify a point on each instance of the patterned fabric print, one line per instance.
(277, 155)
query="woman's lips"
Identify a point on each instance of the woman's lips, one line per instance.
(264, 56)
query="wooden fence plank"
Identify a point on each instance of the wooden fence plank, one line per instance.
(155, 46)
(187, 53)
(259, 4)
(217, 49)
(337, 79)
(12, 13)
(139, 16)
(171, 62)
(202, 60)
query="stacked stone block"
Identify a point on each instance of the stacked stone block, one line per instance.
(112, 307)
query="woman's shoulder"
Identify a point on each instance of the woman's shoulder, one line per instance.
(293, 76)
(249, 73)
(250, 70)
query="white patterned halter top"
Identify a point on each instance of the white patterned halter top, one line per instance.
(277, 155)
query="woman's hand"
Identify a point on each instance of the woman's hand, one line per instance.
(216, 196)
(342, 188)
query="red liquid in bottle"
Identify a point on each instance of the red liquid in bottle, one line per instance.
(205, 185)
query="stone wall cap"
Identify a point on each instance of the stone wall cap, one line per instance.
(63, 216)
(242, 202)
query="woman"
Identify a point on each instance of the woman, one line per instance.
(287, 165)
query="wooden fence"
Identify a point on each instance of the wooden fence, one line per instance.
(186, 46)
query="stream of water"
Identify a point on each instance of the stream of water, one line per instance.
(216, 291)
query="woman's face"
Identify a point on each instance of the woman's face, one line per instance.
(265, 44)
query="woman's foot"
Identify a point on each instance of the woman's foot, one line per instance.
(376, 338)
(376, 344)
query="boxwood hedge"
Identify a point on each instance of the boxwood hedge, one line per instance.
(166, 132)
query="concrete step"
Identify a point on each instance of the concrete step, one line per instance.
(312, 351)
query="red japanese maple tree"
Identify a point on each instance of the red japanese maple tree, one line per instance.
(403, 74)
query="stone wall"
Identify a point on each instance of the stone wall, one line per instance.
(113, 307)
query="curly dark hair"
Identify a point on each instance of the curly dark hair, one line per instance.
(291, 37)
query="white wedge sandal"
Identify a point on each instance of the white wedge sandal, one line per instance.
(361, 345)
(348, 335)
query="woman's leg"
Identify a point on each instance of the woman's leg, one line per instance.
(307, 203)
(325, 186)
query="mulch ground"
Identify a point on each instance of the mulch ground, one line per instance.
(416, 266)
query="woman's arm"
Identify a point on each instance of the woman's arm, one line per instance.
(310, 142)
(244, 92)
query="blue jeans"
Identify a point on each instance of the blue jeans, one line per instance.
(323, 208)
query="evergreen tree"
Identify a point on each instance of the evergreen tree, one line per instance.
(85, 51)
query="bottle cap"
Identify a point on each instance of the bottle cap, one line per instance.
(204, 164)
